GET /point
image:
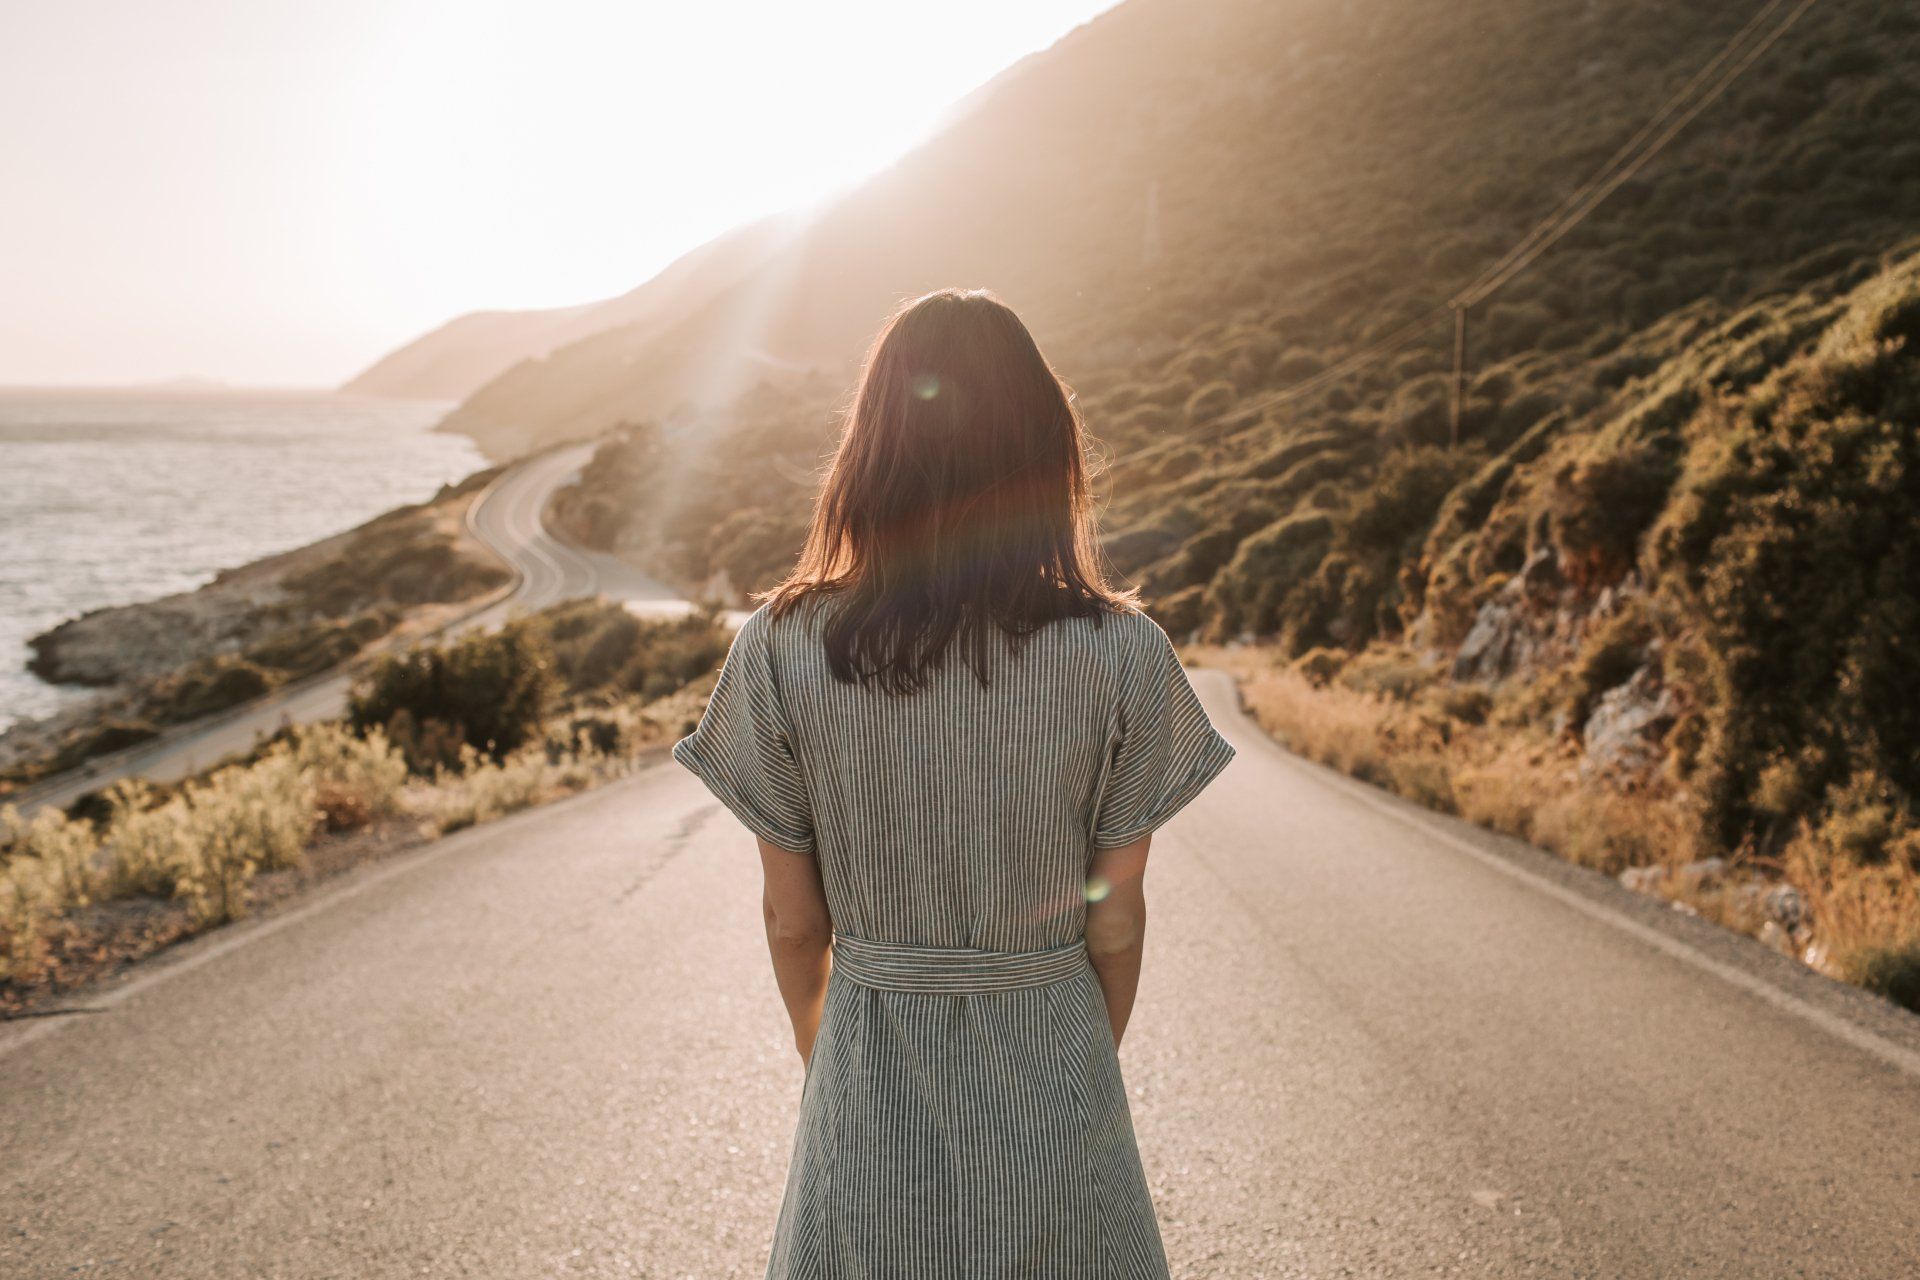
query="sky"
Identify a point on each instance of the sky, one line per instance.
(278, 192)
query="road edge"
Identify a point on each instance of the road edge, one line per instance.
(1858, 1017)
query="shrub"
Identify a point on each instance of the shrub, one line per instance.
(354, 779)
(398, 557)
(49, 867)
(1284, 459)
(1467, 703)
(1892, 971)
(1782, 549)
(148, 842)
(210, 685)
(490, 692)
(1601, 504)
(321, 644)
(482, 789)
(1387, 673)
(1858, 865)
(1419, 410)
(1613, 650)
(1320, 665)
(27, 903)
(63, 847)
(242, 820)
(205, 843)
(1393, 511)
(1248, 593)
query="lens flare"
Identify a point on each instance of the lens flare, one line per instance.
(926, 385)
(1098, 888)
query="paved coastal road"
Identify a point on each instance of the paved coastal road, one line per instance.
(507, 518)
(1370, 1042)
(509, 521)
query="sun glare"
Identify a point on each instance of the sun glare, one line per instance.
(348, 179)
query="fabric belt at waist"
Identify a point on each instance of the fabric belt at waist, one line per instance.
(893, 966)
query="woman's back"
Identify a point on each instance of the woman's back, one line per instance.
(963, 815)
(964, 1113)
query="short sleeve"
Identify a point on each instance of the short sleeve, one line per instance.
(743, 746)
(1166, 751)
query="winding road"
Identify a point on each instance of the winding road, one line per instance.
(1371, 1041)
(506, 516)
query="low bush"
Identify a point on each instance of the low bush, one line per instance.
(1387, 672)
(1318, 666)
(479, 789)
(355, 779)
(601, 647)
(1601, 505)
(48, 866)
(487, 691)
(205, 843)
(322, 643)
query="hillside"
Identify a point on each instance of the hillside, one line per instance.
(466, 353)
(1294, 178)
(1674, 542)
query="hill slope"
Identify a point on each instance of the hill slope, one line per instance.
(1180, 176)
(462, 354)
(469, 351)
(1675, 537)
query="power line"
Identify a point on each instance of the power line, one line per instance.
(1613, 182)
(1574, 209)
(1626, 150)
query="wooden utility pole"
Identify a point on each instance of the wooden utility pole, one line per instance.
(1459, 373)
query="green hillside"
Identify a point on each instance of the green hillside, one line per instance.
(1270, 183)
(1683, 491)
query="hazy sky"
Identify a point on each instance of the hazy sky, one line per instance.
(278, 191)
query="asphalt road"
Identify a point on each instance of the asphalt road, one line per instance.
(507, 518)
(1370, 1042)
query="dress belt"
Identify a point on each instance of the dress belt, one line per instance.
(894, 966)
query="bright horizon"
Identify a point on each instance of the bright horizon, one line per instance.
(279, 194)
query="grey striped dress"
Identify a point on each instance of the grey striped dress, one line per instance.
(963, 1114)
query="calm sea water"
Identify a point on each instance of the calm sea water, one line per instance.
(109, 498)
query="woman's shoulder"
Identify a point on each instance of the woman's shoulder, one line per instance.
(1123, 634)
(1134, 625)
(793, 626)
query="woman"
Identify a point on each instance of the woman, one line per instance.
(953, 741)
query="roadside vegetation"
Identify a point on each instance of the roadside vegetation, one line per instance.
(1841, 891)
(430, 748)
(1673, 642)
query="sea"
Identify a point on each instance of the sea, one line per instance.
(113, 497)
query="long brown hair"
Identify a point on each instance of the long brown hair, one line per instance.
(957, 503)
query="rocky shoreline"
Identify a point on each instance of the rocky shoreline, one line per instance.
(250, 630)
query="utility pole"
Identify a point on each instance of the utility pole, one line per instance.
(1459, 373)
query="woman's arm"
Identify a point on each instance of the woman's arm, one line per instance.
(799, 938)
(1117, 925)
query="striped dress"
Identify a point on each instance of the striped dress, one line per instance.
(963, 1114)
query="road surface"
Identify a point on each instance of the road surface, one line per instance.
(507, 518)
(1370, 1042)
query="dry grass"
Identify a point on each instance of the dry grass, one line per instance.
(1513, 781)
(1867, 910)
(1858, 872)
(203, 845)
